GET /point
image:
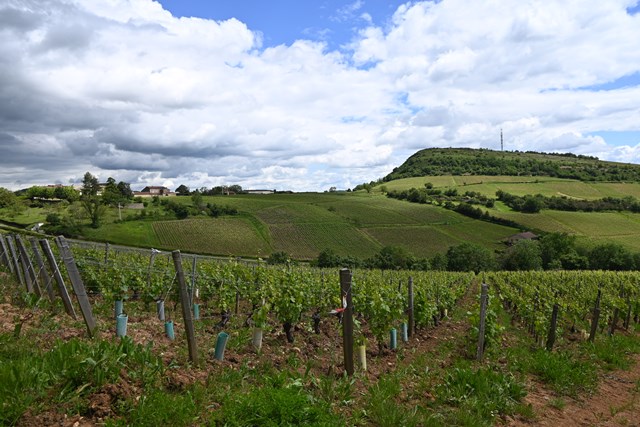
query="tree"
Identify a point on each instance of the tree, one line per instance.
(532, 205)
(439, 262)
(572, 260)
(125, 190)
(90, 185)
(392, 257)
(7, 198)
(611, 256)
(182, 190)
(66, 193)
(181, 211)
(327, 258)
(554, 246)
(235, 189)
(90, 200)
(111, 195)
(524, 255)
(197, 200)
(280, 257)
(470, 257)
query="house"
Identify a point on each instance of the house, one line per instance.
(527, 235)
(151, 191)
(260, 191)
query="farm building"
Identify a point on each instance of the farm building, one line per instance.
(151, 191)
(527, 235)
(260, 191)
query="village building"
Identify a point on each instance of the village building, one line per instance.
(151, 191)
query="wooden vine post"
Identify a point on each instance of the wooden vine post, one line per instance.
(42, 271)
(347, 319)
(483, 317)
(78, 285)
(596, 317)
(551, 337)
(62, 289)
(627, 318)
(4, 256)
(192, 289)
(16, 266)
(27, 267)
(411, 327)
(186, 308)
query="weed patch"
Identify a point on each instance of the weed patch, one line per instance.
(480, 395)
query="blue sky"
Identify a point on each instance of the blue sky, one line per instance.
(284, 21)
(306, 95)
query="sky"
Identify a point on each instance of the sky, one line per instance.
(306, 95)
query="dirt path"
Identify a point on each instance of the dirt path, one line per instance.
(615, 403)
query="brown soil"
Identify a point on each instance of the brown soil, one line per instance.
(615, 403)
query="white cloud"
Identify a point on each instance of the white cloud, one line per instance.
(122, 88)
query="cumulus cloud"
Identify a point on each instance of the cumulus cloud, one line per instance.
(122, 88)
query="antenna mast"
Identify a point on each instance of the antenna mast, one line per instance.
(501, 141)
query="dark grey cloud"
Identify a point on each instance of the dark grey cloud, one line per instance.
(19, 20)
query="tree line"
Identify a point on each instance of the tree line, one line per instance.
(535, 203)
(553, 251)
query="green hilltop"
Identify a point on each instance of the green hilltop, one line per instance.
(469, 161)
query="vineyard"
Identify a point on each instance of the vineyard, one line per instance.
(234, 342)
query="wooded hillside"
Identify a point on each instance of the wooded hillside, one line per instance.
(467, 161)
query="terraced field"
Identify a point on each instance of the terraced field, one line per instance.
(221, 236)
(591, 227)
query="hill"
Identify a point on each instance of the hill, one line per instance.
(468, 161)
(360, 223)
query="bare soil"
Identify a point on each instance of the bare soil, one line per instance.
(615, 403)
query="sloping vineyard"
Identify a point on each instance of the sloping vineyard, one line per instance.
(586, 302)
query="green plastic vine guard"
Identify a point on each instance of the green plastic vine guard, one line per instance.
(119, 307)
(168, 330)
(121, 325)
(362, 357)
(221, 344)
(160, 309)
(393, 339)
(256, 339)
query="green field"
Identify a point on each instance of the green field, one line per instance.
(360, 223)
(134, 233)
(590, 227)
(521, 186)
(222, 236)
(304, 224)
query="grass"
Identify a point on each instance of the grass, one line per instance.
(135, 233)
(276, 406)
(481, 394)
(69, 372)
